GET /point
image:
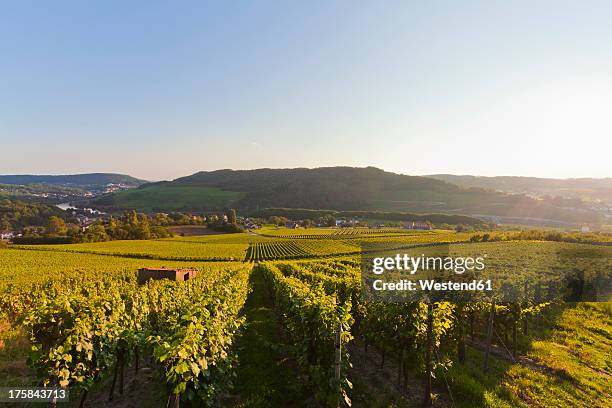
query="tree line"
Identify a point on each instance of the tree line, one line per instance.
(601, 238)
(129, 226)
(16, 215)
(40, 224)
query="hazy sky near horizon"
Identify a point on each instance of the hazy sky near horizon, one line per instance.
(160, 90)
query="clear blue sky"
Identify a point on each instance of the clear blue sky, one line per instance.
(163, 89)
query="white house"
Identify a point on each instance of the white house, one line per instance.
(342, 222)
(417, 225)
(6, 235)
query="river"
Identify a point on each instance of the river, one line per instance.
(69, 206)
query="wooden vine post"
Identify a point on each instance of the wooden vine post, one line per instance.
(83, 398)
(489, 334)
(514, 338)
(526, 297)
(136, 358)
(460, 334)
(118, 369)
(338, 345)
(53, 402)
(338, 353)
(112, 388)
(121, 370)
(427, 402)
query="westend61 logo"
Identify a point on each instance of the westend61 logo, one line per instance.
(396, 273)
(397, 266)
(406, 272)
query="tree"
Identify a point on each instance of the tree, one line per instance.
(5, 224)
(275, 219)
(56, 227)
(130, 217)
(307, 223)
(231, 216)
(141, 229)
(161, 219)
(329, 220)
(96, 233)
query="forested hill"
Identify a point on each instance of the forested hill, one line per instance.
(90, 180)
(342, 188)
(338, 188)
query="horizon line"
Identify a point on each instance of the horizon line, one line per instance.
(429, 175)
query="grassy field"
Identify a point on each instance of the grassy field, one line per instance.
(191, 198)
(566, 363)
(563, 359)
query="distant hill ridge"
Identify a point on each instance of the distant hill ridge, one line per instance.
(333, 188)
(78, 180)
(584, 188)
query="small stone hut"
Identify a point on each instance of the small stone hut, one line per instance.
(175, 274)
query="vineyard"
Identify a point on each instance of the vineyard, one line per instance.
(447, 341)
(339, 233)
(280, 319)
(295, 249)
(173, 250)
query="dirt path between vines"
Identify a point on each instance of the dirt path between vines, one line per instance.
(265, 375)
(139, 391)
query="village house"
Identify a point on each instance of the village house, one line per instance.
(342, 222)
(6, 235)
(417, 225)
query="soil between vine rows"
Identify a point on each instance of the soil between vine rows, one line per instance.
(265, 374)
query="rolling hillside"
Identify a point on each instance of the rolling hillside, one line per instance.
(338, 188)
